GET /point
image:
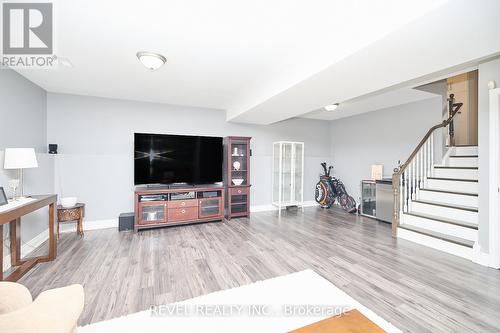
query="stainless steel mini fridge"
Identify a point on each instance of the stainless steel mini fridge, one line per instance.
(384, 200)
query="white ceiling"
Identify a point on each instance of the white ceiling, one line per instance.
(455, 36)
(222, 54)
(372, 103)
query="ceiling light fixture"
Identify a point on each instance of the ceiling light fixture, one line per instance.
(331, 107)
(151, 60)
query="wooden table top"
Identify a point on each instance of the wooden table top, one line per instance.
(350, 322)
(38, 202)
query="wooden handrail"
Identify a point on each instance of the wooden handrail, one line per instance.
(445, 123)
(453, 110)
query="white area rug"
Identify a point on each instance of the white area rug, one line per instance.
(276, 305)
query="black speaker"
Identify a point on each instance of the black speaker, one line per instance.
(52, 148)
(126, 221)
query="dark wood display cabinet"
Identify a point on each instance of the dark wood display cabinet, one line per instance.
(237, 176)
(164, 206)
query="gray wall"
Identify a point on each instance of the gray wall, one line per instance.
(440, 88)
(23, 115)
(95, 136)
(488, 71)
(380, 137)
(23, 123)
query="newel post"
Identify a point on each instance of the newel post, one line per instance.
(395, 209)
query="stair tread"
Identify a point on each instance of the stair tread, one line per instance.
(442, 204)
(444, 220)
(438, 235)
(455, 167)
(462, 146)
(464, 156)
(455, 179)
(450, 192)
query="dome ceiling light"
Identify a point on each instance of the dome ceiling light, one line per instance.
(151, 60)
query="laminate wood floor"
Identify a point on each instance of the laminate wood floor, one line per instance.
(416, 288)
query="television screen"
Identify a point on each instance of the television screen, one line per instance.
(168, 159)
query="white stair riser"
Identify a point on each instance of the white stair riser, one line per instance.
(456, 173)
(448, 198)
(441, 227)
(463, 162)
(438, 244)
(450, 185)
(445, 212)
(461, 151)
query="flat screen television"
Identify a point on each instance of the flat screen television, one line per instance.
(170, 159)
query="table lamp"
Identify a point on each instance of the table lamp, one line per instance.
(20, 158)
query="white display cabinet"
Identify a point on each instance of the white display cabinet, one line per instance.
(288, 174)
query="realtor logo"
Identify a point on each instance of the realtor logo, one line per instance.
(27, 28)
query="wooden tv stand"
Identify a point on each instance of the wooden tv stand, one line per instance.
(168, 206)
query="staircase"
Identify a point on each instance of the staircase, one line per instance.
(443, 212)
(436, 204)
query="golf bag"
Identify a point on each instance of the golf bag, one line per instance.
(329, 189)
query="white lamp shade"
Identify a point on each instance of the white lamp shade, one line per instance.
(20, 158)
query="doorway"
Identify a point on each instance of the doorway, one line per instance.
(464, 87)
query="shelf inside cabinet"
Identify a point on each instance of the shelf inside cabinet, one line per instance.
(209, 207)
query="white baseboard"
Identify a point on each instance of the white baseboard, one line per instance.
(310, 203)
(262, 208)
(267, 208)
(89, 225)
(29, 246)
(484, 259)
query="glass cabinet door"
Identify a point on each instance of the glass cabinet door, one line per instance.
(210, 207)
(288, 169)
(368, 198)
(152, 212)
(239, 204)
(298, 172)
(286, 174)
(276, 171)
(239, 160)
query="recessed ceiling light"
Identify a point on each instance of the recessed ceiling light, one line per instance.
(331, 107)
(151, 60)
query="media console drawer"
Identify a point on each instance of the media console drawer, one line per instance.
(239, 190)
(183, 203)
(182, 214)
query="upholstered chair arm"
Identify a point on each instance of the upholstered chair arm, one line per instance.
(13, 296)
(53, 311)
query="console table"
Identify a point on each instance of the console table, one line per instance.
(12, 215)
(167, 206)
